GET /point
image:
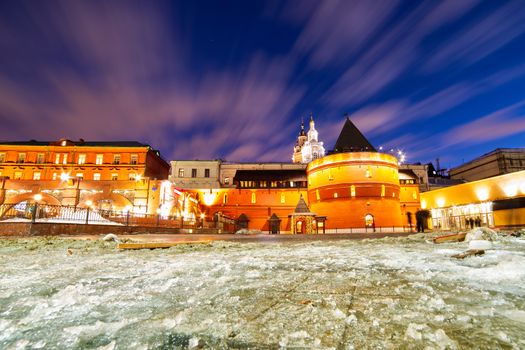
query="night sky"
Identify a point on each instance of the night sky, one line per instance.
(232, 79)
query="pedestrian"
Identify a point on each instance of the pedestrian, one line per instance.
(419, 221)
(409, 220)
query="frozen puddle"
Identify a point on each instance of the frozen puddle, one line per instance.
(389, 293)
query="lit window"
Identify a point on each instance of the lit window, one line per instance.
(414, 194)
(368, 173)
(225, 198)
(134, 159)
(79, 175)
(54, 176)
(254, 198)
(181, 172)
(116, 159)
(352, 191)
(57, 158)
(382, 190)
(226, 180)
(292, 184)
(21, 158)
(283, 198)
(36, 175)
(317, 196)
(206, 172)
(114, 177)
(18, 175)
(2, 157)
(81, 159)
(96, 176)
(99, 159)
(64, 158)
(335, 195)
(193, 172)
(40, 158)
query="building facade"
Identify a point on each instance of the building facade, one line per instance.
(105, 175)
(498, 201)
(353, 187)
(498, 162)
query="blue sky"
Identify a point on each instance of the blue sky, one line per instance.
(232, 79)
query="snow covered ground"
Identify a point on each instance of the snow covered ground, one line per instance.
(387, 293)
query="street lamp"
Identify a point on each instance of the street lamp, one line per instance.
(37, 197)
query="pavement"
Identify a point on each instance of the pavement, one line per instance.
(260, 238)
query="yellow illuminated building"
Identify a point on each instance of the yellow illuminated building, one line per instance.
(495, 202)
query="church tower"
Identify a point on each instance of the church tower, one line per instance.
(308, 147)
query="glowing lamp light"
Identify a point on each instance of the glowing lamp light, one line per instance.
(38, 197)
(64, 176)
(203, 216)
(441, 202)
(483, 194)
(138, 177)
(423, 204)
(89, 203)
(522, 188)
(510, 190)
(208, 198)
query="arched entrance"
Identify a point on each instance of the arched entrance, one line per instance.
(300, 226)
(369, 221)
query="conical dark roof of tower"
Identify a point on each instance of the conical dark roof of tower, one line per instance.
(352, 140)
(301, 207)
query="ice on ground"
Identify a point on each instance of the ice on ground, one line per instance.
(388, 293)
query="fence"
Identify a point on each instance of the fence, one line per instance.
(41, 213)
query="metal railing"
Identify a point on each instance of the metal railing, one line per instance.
(42, 213)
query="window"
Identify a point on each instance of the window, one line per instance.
(99, 159)
(181, 172)
(336, 195)
(116, 159)
(64, 158)
(225, 198)
(368, 173)
(2, 157)
(96, 176)
(134, 159)
(36, 175)
(81, 159)
(18, 175)
(382, 190)
(54, 176)
(114, 177)
(79, 176)
(193, 172)
(226, 180)
(206, 172)
(40, 158)
(352, 190)
(283, 198)
(57, 158)
(21, 158)
(254, 198)
(317, 196)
